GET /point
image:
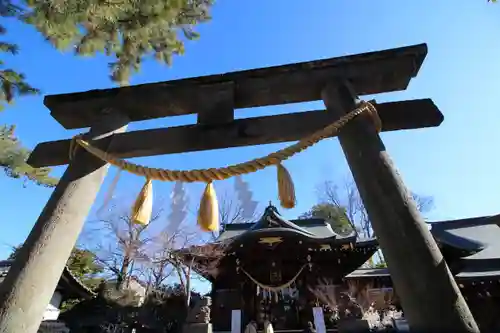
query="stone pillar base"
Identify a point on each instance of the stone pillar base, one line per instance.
(197, 328)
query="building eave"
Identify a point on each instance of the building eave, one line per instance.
(71, 287)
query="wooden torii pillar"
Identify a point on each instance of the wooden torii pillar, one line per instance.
(418, 270)
(430, 296)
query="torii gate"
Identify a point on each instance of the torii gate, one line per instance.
(429, 294)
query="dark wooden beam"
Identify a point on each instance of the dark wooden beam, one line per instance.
(370, 73)
(241, 132)
(222, 112)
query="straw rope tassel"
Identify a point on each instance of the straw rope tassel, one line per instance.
(143, 206)
(208, 214)
(286, 188)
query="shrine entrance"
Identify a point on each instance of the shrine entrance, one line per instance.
(432, 302)
(282, 308)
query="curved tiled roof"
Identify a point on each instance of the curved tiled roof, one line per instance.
(315, 235)
(478, 238)
(272, 221)
(74, 283)
(478, 235)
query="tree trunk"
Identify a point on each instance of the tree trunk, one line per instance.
(430, 296)
(188, 284)
(33, 277)
(123, 274)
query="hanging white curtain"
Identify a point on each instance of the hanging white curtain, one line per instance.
(268, 327)
(251, 328)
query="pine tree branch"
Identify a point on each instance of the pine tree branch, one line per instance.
(13, 158)
(129, 30)
(13, 155)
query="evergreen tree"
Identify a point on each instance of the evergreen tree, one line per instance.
(334, 215)
(13, 155)
(83, 264)
(127, 29)
(12, 83)
(13, 158)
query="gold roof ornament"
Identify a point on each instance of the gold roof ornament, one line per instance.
(270, 240)
(325, 247)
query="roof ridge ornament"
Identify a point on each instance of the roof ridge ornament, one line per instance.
(271, 208)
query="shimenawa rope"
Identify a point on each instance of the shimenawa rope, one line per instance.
(208, 212)
(274, 288)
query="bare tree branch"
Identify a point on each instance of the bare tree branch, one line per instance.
(161, 263)
(122, 241)
(128, 250)
(231, 211)
(424, 203)
(346, 195)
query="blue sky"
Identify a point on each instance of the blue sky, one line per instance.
(456, 163)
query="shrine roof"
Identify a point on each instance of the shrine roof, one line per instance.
(317, 227)
(271, 221)
(478, 236)
(68, 284)
(483, 271)
(368, 273)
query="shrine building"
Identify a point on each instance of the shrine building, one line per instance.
(273, 265)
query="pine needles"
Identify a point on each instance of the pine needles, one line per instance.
(129, 30)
